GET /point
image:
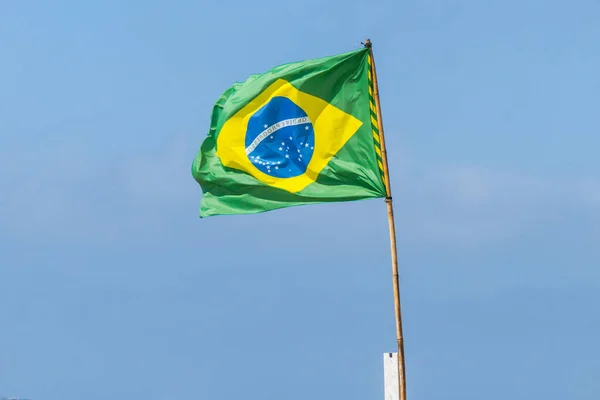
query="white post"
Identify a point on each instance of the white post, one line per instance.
(390, 376)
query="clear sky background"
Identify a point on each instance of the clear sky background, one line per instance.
(112, 287)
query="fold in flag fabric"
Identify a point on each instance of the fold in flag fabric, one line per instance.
(301, 133)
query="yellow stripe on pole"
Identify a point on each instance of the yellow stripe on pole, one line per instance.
(374, 122)
(373, 108)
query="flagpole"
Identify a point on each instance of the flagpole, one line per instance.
(390, 212)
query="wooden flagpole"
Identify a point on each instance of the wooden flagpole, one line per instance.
(390, 211)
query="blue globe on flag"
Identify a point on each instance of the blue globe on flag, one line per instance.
(280, 139)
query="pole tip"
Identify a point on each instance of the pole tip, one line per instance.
(367, 43)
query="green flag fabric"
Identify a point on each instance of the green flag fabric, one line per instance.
(301, 133)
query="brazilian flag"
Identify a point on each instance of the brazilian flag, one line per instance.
(301, 133)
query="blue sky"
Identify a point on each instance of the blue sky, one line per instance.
(111, 285)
